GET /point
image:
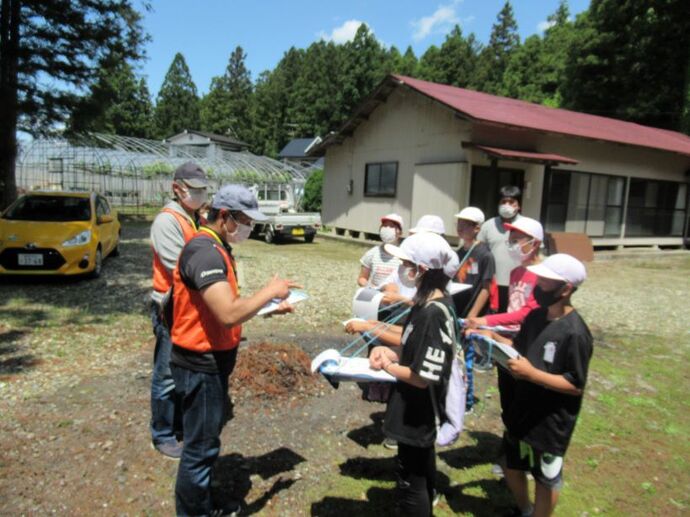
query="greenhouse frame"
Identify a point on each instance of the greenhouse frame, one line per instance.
(135, 173)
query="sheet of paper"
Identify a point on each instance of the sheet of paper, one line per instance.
(457, 287)
(331, 364)
(295, 296)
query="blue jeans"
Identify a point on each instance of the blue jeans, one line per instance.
(204, 403)
(165, 407)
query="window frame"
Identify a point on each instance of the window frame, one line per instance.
(378, 193)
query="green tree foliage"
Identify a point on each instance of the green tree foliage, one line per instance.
(118, 103)
(630, 61)
(49, 54)
(493, 59)
(405, 64)
(177, 104)
(226, 109)
(536, 69)
(454, 62)
(365, 64)
(313, 188)
(272, 96)
(315, 105)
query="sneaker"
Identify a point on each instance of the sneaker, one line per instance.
(391, 444)
(497, 470)
(172, 450)
(436, 498)
(516, 512)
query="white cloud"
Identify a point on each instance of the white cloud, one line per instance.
(545, 25)
(342, 34)
(439, 22)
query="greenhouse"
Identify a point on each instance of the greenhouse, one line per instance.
(135, 173)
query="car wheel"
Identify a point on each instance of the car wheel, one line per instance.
(115, 252)
(309, 237)
(98, 264)
(269, 237)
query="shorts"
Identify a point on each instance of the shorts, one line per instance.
(546, 468)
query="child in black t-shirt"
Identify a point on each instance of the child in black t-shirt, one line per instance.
(421, 366)
(544, 397)
(477, 267)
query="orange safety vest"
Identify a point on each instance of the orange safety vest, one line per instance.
(162, 279)
(194, 325)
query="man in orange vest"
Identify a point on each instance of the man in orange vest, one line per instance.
(174, 225)
(207, 316)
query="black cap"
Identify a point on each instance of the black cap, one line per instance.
(192, 175)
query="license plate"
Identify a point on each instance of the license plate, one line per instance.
(298, 231)
(30, 259)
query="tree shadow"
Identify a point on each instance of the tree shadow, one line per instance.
(370, 434)
(378, 502)
(233, 473)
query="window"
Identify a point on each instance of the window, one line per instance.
(380, 179)
(584, 203)
(102, 207)
(656, 208)
(486, 182)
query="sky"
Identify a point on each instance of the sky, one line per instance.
(207, 31)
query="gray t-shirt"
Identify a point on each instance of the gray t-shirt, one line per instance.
(167, 240)
(495, 235)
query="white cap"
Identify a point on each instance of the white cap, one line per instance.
(394, 218)
(471, 213)
(429, 223)
(528, 226)
(429, 250)
(563, 267)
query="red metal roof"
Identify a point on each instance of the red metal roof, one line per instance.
(523, 155)
(526, 115)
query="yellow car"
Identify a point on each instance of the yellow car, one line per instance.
(57, 233)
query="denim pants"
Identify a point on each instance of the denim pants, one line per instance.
(165, 408)
(204, 401)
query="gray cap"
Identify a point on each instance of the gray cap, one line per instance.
(192, 175)
(240, 198)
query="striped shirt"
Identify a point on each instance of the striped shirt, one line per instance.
(380, 264)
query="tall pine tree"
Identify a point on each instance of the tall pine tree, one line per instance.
(177, 104)
(630, 61)
(226, 108)
(49, 54)
(454, 63)
(119, 103)
(494, 58)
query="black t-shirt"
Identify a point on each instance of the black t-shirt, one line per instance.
(427, 348)
(479, 267)
(541, 417)
(201, 265)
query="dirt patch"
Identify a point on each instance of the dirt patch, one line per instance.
(270, 371)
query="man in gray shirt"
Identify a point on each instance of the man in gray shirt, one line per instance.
(174, 225)
(495, 234)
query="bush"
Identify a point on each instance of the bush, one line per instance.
(313, 192)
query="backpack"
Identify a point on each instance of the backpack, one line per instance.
(450, 421)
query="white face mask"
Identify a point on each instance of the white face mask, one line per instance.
(516, 253)
(388, 235)
(507, 211)
(194, 198)
(241, 233)
(408, 275)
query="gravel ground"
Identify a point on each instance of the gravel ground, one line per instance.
(75, 367)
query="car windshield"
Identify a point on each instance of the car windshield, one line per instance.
(50, 208)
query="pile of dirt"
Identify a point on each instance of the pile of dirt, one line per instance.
(271, 371)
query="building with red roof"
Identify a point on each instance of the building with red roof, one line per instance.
(414, 147)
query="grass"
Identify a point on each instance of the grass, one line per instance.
(630, 454)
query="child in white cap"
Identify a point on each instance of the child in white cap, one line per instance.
(549, 377)
(422, 367)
